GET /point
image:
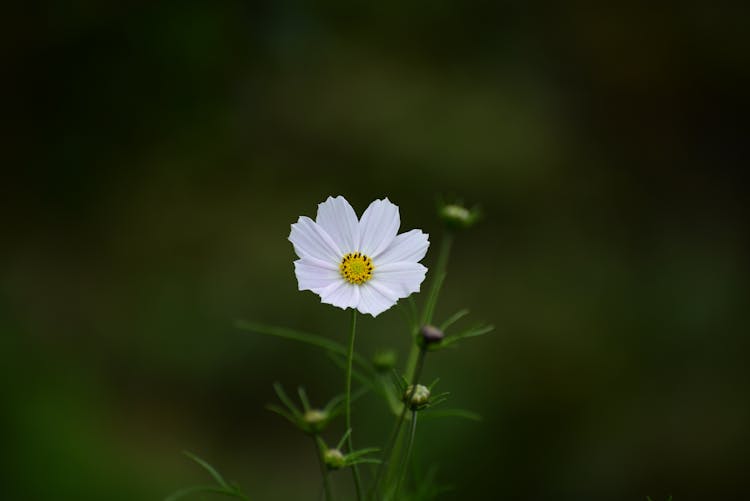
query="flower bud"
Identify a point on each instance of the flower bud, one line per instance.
(430, 334)
(334, 459)
(416, 398)
(315, 419)
(384, 361)
(457, 217)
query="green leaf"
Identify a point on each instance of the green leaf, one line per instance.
(286, 400)
(343, 439)
(479, 330)
(302, 337)
(458, 413)
(433, 383)
(197, 489)
(363, 460)
(303, 398)
(453, 319)
(223, 488)
(281, 412)
(362, 452)
(210, 469)
(335, 405)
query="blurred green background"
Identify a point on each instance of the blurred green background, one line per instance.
(157, 152)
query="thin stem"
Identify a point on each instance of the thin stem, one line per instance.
(390, 446)
(437, 282)
(407, 457)
(321, 447)
(438, 277)
(349, 358)
(415, 361)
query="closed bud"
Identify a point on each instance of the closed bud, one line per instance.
(457, 217)
(431, 334)
(334, 459)
(416, 398)
(315, 419)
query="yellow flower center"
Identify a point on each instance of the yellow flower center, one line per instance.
(356, 268)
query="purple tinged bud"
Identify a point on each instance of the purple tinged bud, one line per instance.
(431, 334)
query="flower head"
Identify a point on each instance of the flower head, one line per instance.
(358, 263)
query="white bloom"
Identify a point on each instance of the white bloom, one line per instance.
(360, 264)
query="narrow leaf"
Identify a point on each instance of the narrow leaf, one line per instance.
(303, 398)
(458, 413)
(362, 452)
(210, 469)
(343, 439)
(453, 319)
(286, 400)
(186, 491)
(473, 332)
(281, 412)
(302, 337)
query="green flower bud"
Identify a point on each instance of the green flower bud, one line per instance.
(334, 459)
(416, 398)
(315, 419)
(384, 361)
(458, 217)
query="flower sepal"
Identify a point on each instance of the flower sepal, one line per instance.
(335, 459)
(308, 419)
(419, 397)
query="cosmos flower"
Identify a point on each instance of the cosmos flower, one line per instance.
(358, 263)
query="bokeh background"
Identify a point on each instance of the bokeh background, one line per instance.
(156, 153)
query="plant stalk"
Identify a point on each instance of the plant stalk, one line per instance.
(390, 446)
(407, 457)
(429, 308)
(349, 358)
(321, 447)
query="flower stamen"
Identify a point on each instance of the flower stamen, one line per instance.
(356, 268)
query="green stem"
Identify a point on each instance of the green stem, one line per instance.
(415, 361)
(349, 358)
(440, 266)
(438, 278)
(407, 457)
(390, 447)
(321, 447)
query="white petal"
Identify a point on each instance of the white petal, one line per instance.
(409, 246)
(337, 217)
(378, 227)
(310, 240)
(313, 274)
(372, 300)
(402, 278)
(341, 294)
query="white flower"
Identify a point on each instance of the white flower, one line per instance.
(360, 264)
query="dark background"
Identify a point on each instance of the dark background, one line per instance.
(156, 153)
